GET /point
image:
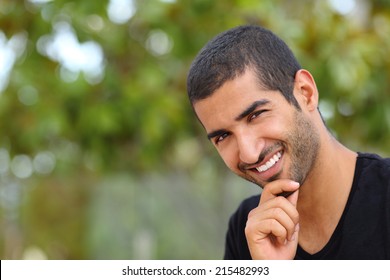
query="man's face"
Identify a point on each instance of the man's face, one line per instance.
(259, 135)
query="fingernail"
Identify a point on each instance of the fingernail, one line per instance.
(294, 184)
(294, 236)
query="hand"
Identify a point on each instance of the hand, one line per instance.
(272, 227)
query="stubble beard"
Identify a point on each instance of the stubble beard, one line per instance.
(302, 144)
(305, 140)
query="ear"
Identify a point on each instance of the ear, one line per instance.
(305, 90)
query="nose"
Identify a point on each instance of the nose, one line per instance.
(249, 148)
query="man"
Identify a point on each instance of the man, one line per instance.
(319, 199)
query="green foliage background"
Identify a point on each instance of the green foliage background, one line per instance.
(134, 176)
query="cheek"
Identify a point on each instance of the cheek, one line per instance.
(230, 156)
(278, 128)
(277, 123)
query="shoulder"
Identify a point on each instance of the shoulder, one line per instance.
(371, 179)
(365, 218)
(238, 219)
(246, 206)
(373, 165)
(373, 159)
(236, 246)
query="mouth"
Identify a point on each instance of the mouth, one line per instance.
(270, 168)
(270, 162)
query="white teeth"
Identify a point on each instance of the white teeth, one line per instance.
(271, 162)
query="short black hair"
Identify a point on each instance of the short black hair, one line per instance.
(232, 52)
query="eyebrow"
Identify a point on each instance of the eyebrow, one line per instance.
(252, 107)
(215, 133)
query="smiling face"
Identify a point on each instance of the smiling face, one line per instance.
(259, 135)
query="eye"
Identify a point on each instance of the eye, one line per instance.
(221, 137)
(255, 115)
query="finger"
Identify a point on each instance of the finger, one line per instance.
(277, 187)
(295, 234)
(269, 228)
(271, 207)
(283, 212)
(293, 198)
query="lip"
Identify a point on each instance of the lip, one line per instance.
(272, 171)
(269, 156)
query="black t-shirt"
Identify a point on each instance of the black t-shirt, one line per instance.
(363, 231)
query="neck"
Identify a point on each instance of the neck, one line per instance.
(324, 194)
(332, 174)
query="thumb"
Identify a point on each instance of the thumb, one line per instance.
(293, 198)
(293, 241)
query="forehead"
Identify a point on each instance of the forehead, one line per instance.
(233, 97)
